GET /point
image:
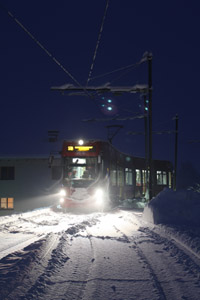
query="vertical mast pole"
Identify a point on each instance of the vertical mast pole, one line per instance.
(146, 142)
(176, 150)
(151, 187)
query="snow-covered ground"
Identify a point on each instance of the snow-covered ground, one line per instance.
(122, 254)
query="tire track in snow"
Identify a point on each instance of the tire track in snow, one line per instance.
(78, 268)
(13, 267)
(182, 254)
(174, 255)
(165, 231)
(34, 271)
(55, 258)
(75, 286)
(56, 261)
(173, 268)
(159, 290)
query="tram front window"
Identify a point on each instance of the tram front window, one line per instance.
(81, 172)
(81, 183)
(80, 169)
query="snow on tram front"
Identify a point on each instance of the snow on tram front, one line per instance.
(83, 185)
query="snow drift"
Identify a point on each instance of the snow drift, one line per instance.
(168, 207)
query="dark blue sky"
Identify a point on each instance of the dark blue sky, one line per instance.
(69, 30)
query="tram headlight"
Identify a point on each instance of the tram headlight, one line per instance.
(99, 194)
(62, 200)
(62, 192)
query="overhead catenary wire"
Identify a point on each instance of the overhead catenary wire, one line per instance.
(131, 66)
(122, 75)
(118, 118)
(98, 42)
(45, 49)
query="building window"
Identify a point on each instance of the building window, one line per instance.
(7, 203)
(138, 177)
(56, 172)
(161, 177)
(128, 176)
(7, 173)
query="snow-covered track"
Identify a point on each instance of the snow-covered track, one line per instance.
(111, 255)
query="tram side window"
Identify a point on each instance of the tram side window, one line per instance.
(138, 177)
(128, 176)
(161, 177)
(120, 177)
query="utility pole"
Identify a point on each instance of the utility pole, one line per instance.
(151, 181)
(175, 152)
(146, 140)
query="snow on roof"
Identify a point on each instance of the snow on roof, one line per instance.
(106, 88)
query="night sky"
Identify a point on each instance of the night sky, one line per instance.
(69, 31)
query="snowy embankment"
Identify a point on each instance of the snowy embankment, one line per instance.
(178, 213)
(178, 208)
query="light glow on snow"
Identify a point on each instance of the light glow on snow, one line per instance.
(109, 255)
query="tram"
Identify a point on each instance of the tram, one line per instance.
(96, 174)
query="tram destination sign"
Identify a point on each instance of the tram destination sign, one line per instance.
(81, 148)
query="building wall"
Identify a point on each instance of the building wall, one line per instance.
(34, 184)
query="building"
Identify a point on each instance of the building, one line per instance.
(28, 182)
